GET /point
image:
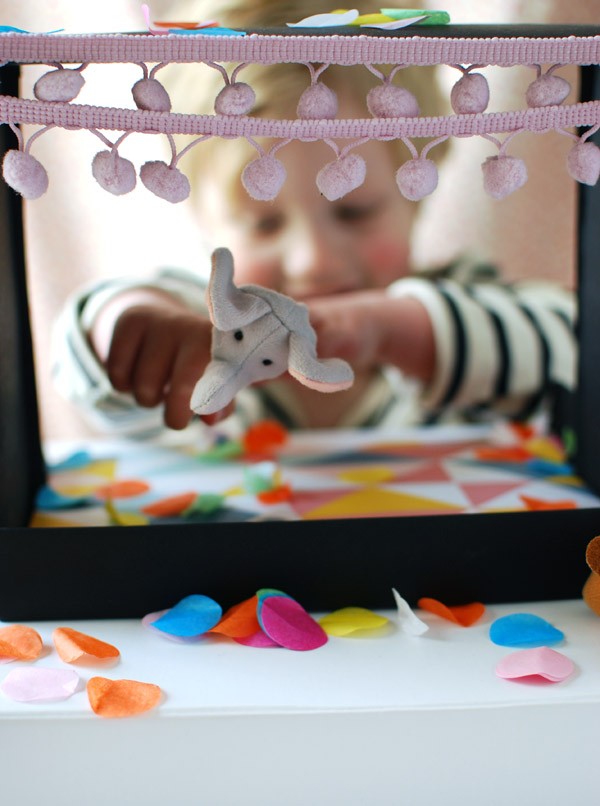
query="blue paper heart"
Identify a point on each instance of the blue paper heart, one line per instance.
(193, 615)
(524, 630)
(47, 498)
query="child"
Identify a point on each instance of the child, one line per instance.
(421, 348)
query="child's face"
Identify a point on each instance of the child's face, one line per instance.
(305, 246)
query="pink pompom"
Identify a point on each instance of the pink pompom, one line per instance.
(338, 178)
(547, 90)
(417, 178)
(317, 102)
(503, 175)
(583, 163)
(263, 178)
(113, 173)
(390, 101)
(59, 85)
(149, 94)
(470, 95)
(235, 99)
(167, 183)
(24, 174)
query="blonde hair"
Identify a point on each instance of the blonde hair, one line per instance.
(193, 88)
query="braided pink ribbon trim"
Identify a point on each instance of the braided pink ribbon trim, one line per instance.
(263, 49)
(395, 112)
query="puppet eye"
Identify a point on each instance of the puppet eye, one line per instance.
(267, 362)
(238, 335)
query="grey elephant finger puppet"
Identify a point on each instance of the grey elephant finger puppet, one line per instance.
(258, 334)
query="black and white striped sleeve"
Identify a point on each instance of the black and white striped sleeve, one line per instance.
(80, 377)
(500, 347)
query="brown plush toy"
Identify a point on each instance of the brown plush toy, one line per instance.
(591, 589)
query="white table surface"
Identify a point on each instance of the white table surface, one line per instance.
(366, 719)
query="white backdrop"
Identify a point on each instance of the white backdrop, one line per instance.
(78, 232)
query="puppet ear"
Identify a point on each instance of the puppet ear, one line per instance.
(324, 375)
(230, 307)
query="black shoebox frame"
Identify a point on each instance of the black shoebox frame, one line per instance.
(114, 572)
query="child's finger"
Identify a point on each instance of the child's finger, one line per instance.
(122, 356)
(218, 416)
(190, 362)
(153, 367)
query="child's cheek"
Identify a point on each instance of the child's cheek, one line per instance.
(386, 260)
(256, 271)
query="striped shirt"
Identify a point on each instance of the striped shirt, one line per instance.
(500, 349)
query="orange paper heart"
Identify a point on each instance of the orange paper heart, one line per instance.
(240, 621)
(510, 453)
(465, 615)
(264, 437)
(275, 496)
(20, 642)
(128, 488)
(170, 507)
(118, 698)
(537, 504)
(73, 646)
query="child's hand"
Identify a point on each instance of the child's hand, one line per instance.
(370, 329)
(158, 356)
(154, 349)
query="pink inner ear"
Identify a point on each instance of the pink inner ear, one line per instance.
(319, 386)
(209, 305)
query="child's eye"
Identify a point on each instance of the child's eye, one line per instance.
(269, 224)
(355, 212)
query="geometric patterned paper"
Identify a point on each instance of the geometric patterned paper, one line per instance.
(332, 474)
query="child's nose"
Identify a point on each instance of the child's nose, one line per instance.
(315, 262)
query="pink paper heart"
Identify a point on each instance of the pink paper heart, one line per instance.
(40, 685)
(287, 623)
(258, 640)
(539, 662)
